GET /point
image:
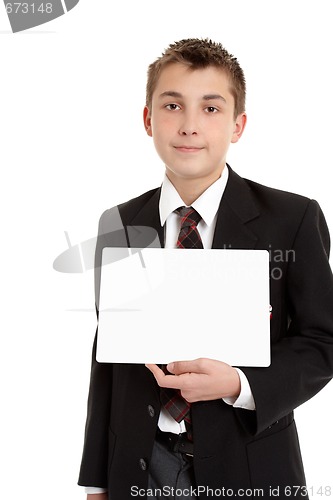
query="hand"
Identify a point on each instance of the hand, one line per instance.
(202, 379)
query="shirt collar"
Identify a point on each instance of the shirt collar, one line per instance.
(206, 205)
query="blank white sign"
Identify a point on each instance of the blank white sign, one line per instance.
(162, 305)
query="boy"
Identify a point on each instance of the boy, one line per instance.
(234, 433)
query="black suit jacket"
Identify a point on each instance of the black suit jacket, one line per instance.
(233, 448)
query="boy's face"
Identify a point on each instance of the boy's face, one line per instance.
(191, 120)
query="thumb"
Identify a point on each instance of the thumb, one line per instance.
(179, 367)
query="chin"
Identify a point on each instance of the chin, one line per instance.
(187, 173)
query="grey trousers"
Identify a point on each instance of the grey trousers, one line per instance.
(170, 475)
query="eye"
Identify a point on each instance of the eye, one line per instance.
(172, 107)
(211, 109)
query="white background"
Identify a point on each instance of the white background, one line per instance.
(72, 93)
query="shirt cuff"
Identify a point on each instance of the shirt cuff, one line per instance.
(91, 490)
(245, 399)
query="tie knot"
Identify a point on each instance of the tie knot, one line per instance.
(189, 216)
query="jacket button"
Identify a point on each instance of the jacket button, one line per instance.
(151, 411)
(143, 464)
(270, 426)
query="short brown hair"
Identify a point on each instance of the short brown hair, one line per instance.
(200, 53)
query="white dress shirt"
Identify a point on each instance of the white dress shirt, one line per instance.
(207, 206)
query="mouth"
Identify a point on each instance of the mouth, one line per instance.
(188, 149)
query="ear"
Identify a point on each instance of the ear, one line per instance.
(240, 123)
(147, 121)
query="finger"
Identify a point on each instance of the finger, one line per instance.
(156, 371)
(163, 380)
(193, 366)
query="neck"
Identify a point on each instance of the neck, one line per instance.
(191, 189)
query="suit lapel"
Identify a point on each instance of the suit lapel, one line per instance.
(149, 216)
(236, 209)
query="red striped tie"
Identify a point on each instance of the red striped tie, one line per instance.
(188, 237)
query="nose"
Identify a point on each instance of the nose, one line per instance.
(188, 125)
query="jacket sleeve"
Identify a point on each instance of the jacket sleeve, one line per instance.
(93, 471)
(94, 464)
(302, 360)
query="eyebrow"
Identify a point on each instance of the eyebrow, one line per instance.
(206, 97)
(210, 97)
